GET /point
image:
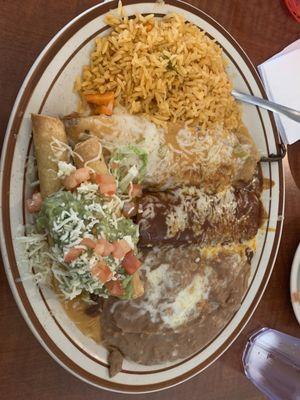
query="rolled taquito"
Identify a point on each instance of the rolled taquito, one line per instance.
(49, 138)
(89, 154)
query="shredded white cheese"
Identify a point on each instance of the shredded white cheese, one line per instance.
(64, 169)
(193, 209)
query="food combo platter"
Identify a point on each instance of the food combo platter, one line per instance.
(139, 227)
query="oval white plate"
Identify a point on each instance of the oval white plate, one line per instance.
(295, 284)
(48, 88)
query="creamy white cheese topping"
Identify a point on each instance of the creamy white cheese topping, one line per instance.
(186, 301)
(176, 310)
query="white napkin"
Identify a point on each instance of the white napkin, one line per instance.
(281, 78)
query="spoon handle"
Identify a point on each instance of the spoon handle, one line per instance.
(268, 105)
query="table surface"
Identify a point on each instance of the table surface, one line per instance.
(26, 370)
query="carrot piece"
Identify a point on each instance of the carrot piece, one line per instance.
(106, 109)
(115, 288)
(149, 27)
(100, 99)
(72, 254)
(131, 263)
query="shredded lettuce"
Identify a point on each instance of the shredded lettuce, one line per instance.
(131, 164)
(131, 176)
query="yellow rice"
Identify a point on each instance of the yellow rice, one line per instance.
(174, 72)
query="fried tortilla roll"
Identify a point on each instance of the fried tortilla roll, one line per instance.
(81, 128)
(177, 155)
(190, 294)
(89, 154)
(49, 137)
(189, 215)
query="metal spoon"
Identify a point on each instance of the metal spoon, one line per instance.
(268, 105)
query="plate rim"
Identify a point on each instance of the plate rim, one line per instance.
(8, 136)
(295, 270)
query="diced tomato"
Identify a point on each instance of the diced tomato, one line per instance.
(104, 178)
(137, 285)
(103, 248)
(91, 244)
(131, 263)
(72, 254)
(130, 209)
(107, 184)
(121, 247)
(101, 271)
(76, 178)
(99, 248)
(95, 270)
(70, 182)
(108, 189)
(125, 245)
(105, 273)
(37, 198)
(135, 190)
(35, 204)
(108, 249)
(115, 288)
(82, 174)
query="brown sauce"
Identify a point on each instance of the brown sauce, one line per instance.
(171, 140)
(267, 183)
(296, 297)
(263, 216)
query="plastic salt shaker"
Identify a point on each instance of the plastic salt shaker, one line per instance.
(271, 361)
